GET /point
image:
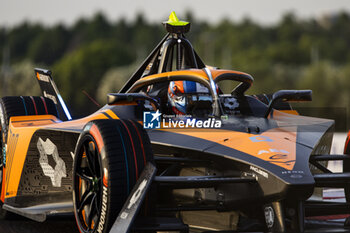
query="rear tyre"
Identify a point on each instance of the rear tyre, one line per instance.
(3, 213)
(346, 165)
(19, 106)
(109, 157)
(24, 106)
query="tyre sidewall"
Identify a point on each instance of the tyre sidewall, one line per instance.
(105, 192)
(3, 124)
(346, 167)
(3, 131)
(120, 162)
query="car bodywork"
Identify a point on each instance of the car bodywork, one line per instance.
(262, 164)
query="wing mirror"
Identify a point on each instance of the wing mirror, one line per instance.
(289, 95)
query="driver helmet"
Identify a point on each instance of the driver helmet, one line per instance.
(182, 94)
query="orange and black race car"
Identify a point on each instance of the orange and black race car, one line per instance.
(172, 151)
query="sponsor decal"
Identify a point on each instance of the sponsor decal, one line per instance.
(278, 156)
(48, 148)
(134, 199)
(294, 174)
(260, 138)
(272, 151)
(136, 196)
(52, 97)
(124, 215)
(103, 210)
(44, 78)
(259, 171)
(269, 216)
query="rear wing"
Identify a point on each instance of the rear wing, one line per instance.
(49, 90)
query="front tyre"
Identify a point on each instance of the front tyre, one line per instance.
(109, 157)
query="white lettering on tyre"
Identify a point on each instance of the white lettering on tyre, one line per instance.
(103, 210)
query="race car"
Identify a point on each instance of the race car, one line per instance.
(170, 152)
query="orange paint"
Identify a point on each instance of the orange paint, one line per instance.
(25, 127)
(293, 112)
(112, 114)
(192, 72)
(215, 73)
(276, 146)
(347, 142)
(97, 136)
(105, 181)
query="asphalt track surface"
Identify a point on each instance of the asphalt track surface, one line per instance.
(60, 224)
(67, 225)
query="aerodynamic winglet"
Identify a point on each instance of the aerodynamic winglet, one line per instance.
(131, 207)
(49, 90)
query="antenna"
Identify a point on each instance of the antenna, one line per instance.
(173, 46)
(174, 25)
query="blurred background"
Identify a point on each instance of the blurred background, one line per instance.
(94, 46)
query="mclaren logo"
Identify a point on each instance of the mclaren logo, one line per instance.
(259, 171)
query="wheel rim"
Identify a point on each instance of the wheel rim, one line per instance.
(88, 185)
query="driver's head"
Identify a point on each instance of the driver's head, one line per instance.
(183, 96)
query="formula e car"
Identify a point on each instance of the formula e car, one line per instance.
(233, 162)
